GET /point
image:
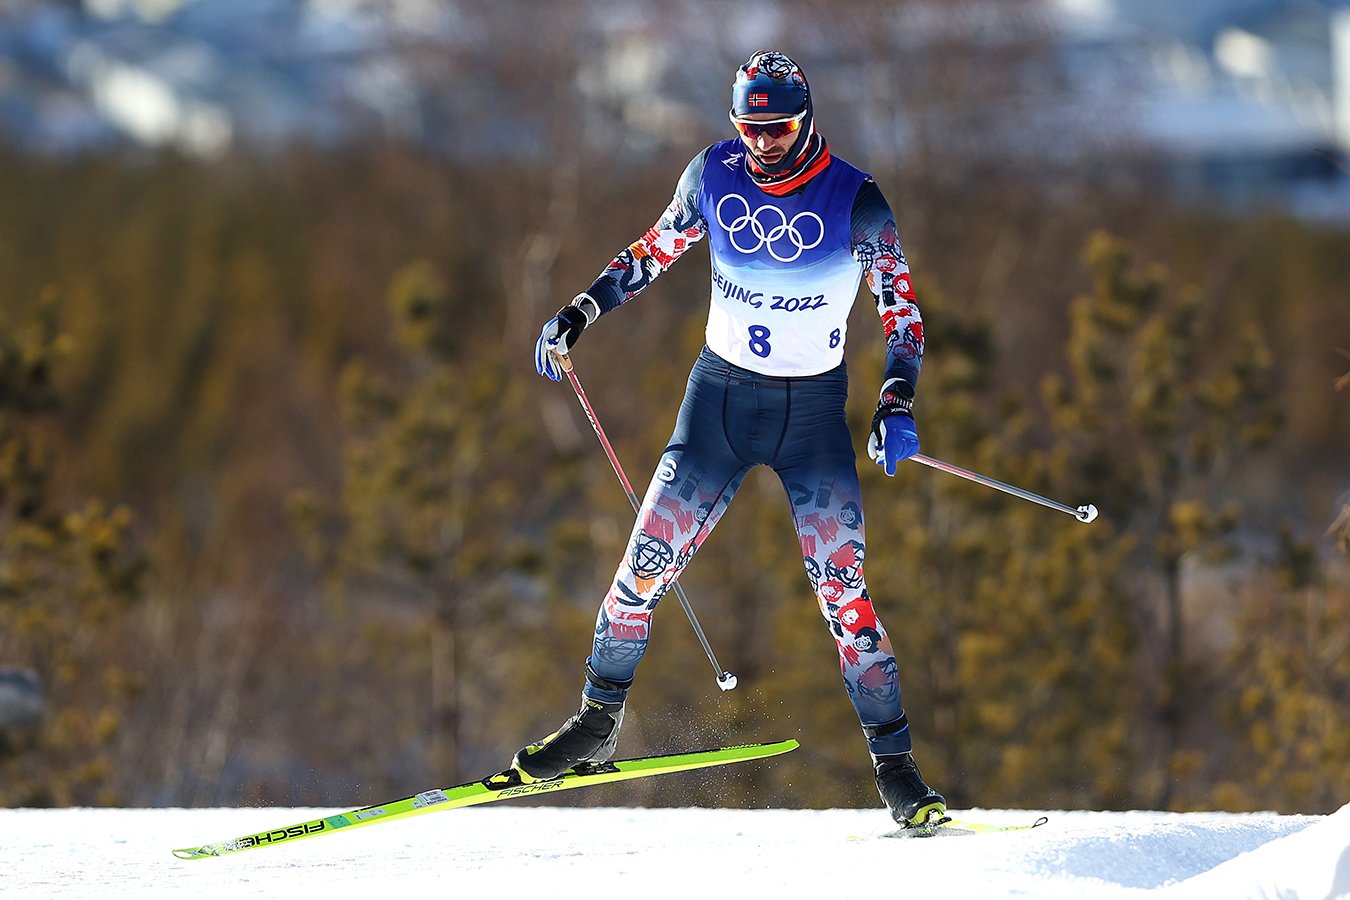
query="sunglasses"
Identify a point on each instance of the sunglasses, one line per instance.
(770, 128)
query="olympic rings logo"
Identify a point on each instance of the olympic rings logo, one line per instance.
(784, 229)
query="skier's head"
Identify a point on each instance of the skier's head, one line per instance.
(769, 82)
(771, 109)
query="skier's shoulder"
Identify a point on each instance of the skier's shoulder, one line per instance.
(721, 153)
(843, 167)
(727, 154)
(869, 198)
(724, 150)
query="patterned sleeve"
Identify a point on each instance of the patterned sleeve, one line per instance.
(679, 228)
(876, 246)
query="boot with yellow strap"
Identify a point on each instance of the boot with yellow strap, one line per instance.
(912, 802)
(589, 736)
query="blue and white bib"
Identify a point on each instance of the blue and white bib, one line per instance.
(783, 272)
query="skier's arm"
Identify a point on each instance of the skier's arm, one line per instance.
(679, 228)
(876, 246)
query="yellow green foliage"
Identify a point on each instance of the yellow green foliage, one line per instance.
(68, 577)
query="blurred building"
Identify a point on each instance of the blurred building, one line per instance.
(1242, 99)
(1236, 99)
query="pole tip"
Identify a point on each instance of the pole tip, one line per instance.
(1087, 513)
(726, 681)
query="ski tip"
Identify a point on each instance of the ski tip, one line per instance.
(775, 748)
(764, 748)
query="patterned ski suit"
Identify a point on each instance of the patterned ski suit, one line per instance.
(768, 389)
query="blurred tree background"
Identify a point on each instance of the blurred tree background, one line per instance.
(287, 517)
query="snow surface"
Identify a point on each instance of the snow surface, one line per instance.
(515, 851)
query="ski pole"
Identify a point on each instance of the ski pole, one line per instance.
(1083, 513)
(725, 680)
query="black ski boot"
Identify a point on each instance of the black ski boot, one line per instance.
(589, 736)
(911, 802)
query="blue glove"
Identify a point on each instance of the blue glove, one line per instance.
(561, 333)
(894, 437)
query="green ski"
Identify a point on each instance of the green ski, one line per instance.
(502, 786)
(948, 827)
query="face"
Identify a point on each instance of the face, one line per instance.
(767, 150)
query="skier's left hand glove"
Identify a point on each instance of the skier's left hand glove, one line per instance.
(894, 437)
(561, 333)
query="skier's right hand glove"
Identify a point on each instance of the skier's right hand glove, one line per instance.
(561, 333)
(894, 437)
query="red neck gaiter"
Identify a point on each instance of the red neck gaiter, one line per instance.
(815, 156)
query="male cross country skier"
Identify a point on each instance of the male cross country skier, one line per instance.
(791, 230)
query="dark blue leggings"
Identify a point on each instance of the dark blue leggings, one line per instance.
(731, 420)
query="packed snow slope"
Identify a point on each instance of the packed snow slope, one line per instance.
(543, 852)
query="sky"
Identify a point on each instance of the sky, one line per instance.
(507, 850)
